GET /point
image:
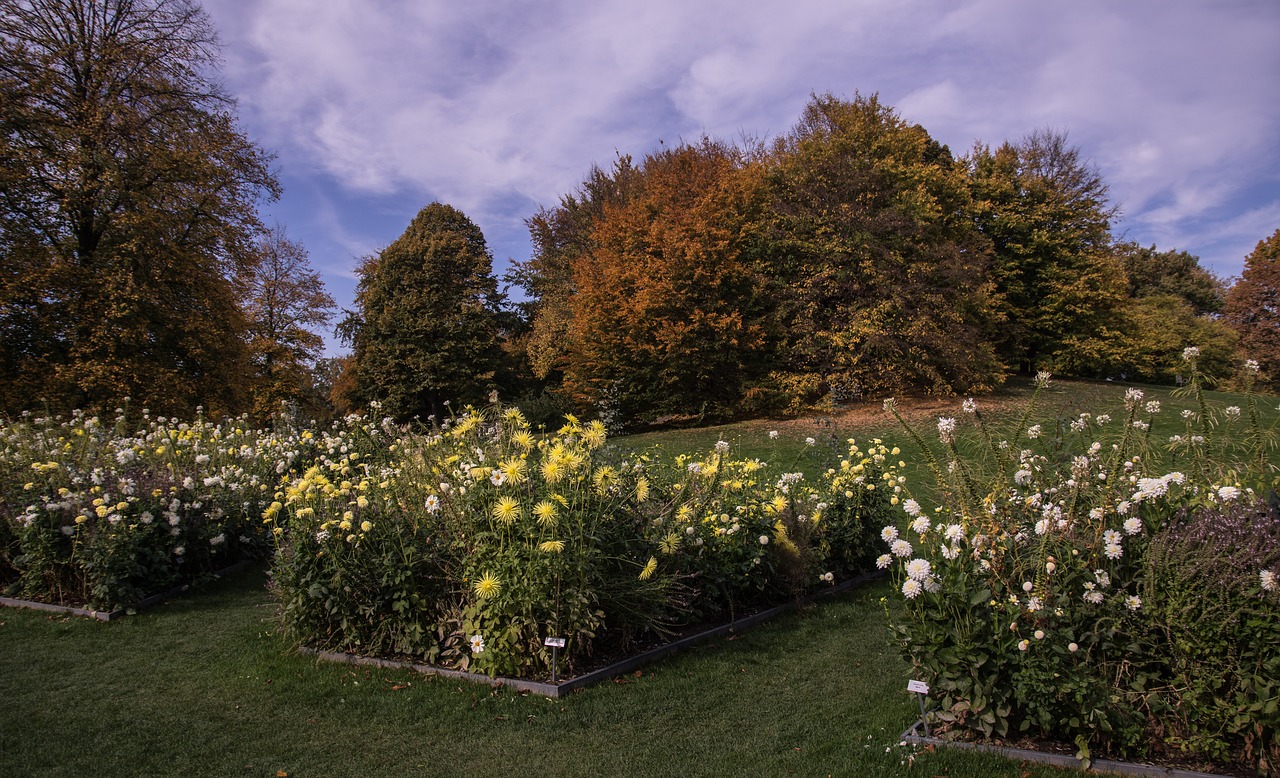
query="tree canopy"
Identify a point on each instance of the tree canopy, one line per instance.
(1253, 307)
(882, 278)
(128, 204)
(425, 331)
(285, 302)
(852, 255)
(1045, 211)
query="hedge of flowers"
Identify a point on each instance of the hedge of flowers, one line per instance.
(106, 513)
(1091, 581)
(468, 546)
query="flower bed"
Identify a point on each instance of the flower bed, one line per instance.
(103, 515)
(469, 546)
(1089, 581)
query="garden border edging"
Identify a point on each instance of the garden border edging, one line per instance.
(143, 604)
(556, 690)
(1056, 760)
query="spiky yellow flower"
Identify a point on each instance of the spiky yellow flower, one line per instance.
(650, 568)
(669, 544)
(515, 470)
(593, 436)
(551, 546)
(507, 510)
(523, 439)
(553, 470)
(604, 478)
(488, 586)
(642, 489)
(546, 513)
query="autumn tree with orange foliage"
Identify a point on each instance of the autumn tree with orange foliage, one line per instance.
(128, 205)
(1253, 307)
(662, 309)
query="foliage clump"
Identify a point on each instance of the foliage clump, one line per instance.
(1214, 617)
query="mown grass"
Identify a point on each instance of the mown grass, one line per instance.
(203, 685)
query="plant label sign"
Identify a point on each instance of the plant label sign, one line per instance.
(554, 642)
(919, 687)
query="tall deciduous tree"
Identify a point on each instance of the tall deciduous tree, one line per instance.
(560, 235)
(127, 206)
(1253, 307)
(286, 304)
(1045, 211)
(426, 328)
(882, 279)
(666, 316)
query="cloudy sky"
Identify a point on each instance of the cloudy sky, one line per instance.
(375, 108)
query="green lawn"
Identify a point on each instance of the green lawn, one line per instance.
(203, 686)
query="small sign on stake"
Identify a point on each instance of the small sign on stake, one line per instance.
(921, 689)
(556, 644)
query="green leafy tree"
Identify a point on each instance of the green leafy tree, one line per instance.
(1058, 283)
(1152, 273)
(1144, 342)
(426, 329)
(286, 303)
(881, 279)
(1253, 307)
(127, 207)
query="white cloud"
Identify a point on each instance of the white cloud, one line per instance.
(493, 106)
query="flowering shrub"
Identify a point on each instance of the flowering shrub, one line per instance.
(104, 514)
(471, 544)
(1053, 589)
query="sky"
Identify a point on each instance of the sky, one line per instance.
(376, 108)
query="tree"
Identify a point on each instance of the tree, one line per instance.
(881, 278)
(426, 329)
(1046, 213)
(285, 302)
(560, 235)
(127, 206)
(1253, 307)
(1153, 273)
(665, 313)
(1144, 342)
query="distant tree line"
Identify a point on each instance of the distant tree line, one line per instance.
(854, 255)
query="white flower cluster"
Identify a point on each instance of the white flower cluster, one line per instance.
(1151, 488)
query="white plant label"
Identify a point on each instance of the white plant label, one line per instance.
(920, 687)
(554, 642)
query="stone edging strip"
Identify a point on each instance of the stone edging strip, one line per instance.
(590, 679)
(151, 601)
(1057, 760)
